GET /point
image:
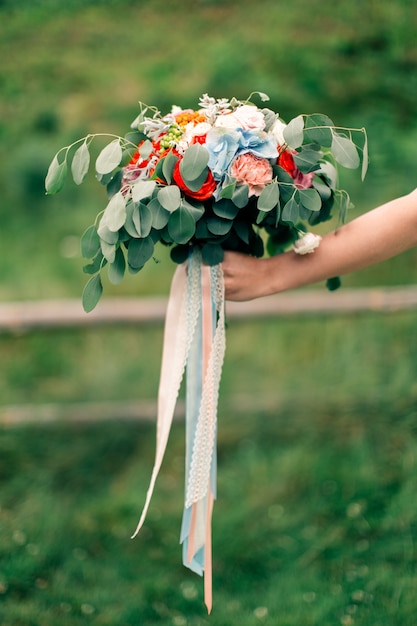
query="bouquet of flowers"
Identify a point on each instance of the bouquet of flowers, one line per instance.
(211, 179)
(229, 175)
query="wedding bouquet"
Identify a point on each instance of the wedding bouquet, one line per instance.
(227, 176)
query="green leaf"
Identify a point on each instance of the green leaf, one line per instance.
(108, 250)
(212, 254)
(293, 132)
(179, 254)
(117, 269)
(194, 162)
(115, 212)
(129, 225)
(333, 283)
(95, 266)
(310, 199)
(109, 158)
(225, 208)
(318, 129)
(56, 175)
(107, 235)
(139, 252)
(169, 197)
(345, 152)
(92, 293)
(365, 157)
(168, 164)
(241, 196)
(143, 189)
(80, 163)
(290, 212)
(242, 230)
(307, 160)
(196, 208)
(142, 219)
(90, 243)
(219, 226)
(181, 226)
(269, 197)
(195, 185)
(229, 186)
(160, 216)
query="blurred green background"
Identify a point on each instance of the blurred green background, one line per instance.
(315, 522)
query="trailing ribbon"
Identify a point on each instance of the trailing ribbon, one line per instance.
(195, 340)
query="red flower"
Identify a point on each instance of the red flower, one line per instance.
(206, 190)
(286, 161)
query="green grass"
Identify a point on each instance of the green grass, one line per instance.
(315, 521)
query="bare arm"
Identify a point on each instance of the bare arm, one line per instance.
(369, 239)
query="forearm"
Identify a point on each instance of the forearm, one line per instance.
(369, 239)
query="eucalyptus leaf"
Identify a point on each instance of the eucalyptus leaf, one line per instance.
(294, 132)
(168, 164)
(365, 158)
(160, 216)
(194, 162)
(142, 219)
(228, 189)
(241, 196)
(179, 253)
(225, 208)
(105, 234)
(195, 185)
(90, 242)
(108, 250)
(169, 197)
(318, 129)
(146, 149)
(129, 225)
(92, 293)
(56, 175)
(212, 254)
(345, 152)
(115, 212)
(196, 208)
(143, 189)
(219, 226)
(80, 163)
(109, 158)
(181, 226)
(97, 263)
(269, 197)
(242, 230)
(290, 212)
(307, 160)
(116, 270)
(310, 199)
(139, 252)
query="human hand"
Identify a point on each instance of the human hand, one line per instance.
(244, 276)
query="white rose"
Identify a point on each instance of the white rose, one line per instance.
(277, 131)
(307, 244)
(226, 121)
(250, 117)
(246, 117)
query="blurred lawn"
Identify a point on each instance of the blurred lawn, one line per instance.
(315, 522)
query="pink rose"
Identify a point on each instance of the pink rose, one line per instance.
(254, 171)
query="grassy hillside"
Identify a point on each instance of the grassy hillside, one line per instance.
(75, 67)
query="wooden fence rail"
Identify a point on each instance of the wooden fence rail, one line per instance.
(48, 314)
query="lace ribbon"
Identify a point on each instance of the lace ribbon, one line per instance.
(194, 339)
